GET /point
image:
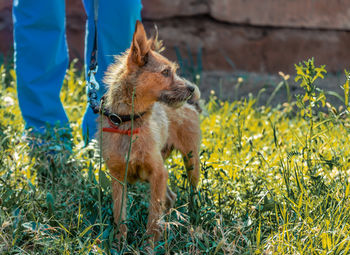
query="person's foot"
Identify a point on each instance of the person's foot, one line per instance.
(54, 140)
(49, 149)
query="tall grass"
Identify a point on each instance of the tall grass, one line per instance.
(274, 181)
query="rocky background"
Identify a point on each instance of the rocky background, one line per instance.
(231, 35)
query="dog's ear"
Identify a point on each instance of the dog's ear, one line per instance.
(140, 46)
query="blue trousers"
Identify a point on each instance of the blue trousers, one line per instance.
(41, 54)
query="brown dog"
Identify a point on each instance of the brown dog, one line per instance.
(166, 118)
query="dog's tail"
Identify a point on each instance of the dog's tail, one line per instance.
(194, 100)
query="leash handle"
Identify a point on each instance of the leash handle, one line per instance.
(96, 10)
(93, 58)
(92, 85)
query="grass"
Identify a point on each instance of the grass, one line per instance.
(274, 181)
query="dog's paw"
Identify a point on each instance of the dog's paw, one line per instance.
(170, 199)
(122, 233)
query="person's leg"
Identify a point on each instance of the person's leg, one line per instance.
(115, 28)
(41, 59)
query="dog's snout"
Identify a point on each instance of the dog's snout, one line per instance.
(190, 88)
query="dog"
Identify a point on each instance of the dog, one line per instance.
(143, 85)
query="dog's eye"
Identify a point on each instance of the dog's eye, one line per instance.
(166, 72)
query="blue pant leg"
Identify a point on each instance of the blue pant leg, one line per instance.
(41, 59)
(115, 28)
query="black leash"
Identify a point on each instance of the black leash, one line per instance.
(93, 86)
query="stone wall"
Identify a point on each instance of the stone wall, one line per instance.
(319, 14)
(75, 27)
(262, 36)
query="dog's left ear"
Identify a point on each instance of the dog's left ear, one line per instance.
(140, 46)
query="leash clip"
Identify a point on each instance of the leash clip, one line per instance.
(93, 84)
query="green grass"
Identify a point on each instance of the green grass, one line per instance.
(274, 181)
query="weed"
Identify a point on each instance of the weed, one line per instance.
(272, 182)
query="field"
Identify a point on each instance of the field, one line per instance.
(274, 180)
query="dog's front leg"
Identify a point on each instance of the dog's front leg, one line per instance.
(119, 205)
(170, 198)
(192, 164)
(158, 184)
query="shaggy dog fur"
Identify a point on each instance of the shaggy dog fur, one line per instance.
(170, 121)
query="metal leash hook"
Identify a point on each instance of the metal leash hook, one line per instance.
(93, 87)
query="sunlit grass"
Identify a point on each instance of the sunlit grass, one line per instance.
(275, 180)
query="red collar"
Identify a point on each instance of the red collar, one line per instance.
(114, 129)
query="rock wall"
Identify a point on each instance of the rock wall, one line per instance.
(319, 14)
(5, 26)
(75, 21)
(262, 36)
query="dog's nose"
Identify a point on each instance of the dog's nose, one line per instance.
(190, 88)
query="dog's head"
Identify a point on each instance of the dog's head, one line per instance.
(154, 75)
